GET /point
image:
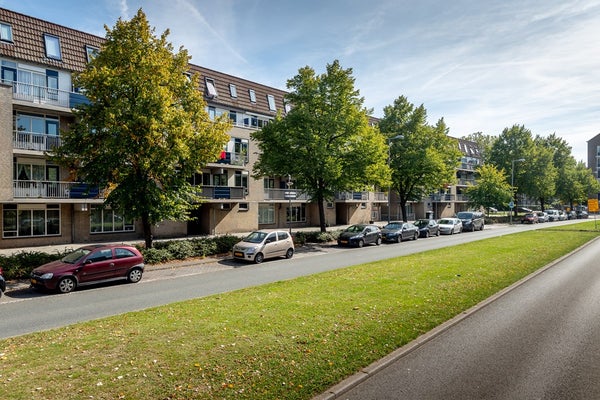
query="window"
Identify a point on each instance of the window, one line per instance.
(252, 95)
(233, 117)
(5, 32)
(287, 107)
(232, 90)
(271, 101)
(240, 149)
(297, 213)
(52, 46)
(266, 213)
(91, 52)
(34, 132)
(241, 178)
(30, 220)
(211, 89)
(107, 220)
(243, 207)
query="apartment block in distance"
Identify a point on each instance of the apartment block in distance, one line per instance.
(42, 204)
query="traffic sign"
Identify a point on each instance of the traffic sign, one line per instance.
(511, 205)
(593, 205)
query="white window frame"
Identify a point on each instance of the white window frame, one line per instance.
(271, 101)
(91, 52)
(6, 32)
(252, 95)
(232, 90)
(52, 44)
(211, 89)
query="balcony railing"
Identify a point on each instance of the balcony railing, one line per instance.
(54, 190)
(285, 194)
(222, 192)
(442, 197)
(380, 196)
(350, 196)
(40, 94)
(232, 158)
(34, 141)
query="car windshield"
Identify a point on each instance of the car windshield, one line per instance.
(355, 228)
(465, 215)
(393, 225)
(75, 256)
(445, 222)
(422, 223)
(256, 237)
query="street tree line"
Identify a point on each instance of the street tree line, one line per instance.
(146, 131)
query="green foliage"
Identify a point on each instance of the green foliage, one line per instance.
(145, 131)
(156, 255)
(224, 244)
(423, 158)
(303, 237)
(325, 142)
(492, 189)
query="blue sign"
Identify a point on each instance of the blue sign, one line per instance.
(511, 205)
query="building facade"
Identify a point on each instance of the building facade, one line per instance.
(42, 204)
(593, 155)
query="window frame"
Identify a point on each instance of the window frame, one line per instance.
(51, 44)
(233, 90)
(91, 52)
(252, 95)
(211, 88)
(271, 102)
(6, 27)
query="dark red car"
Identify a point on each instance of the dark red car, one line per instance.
(90, 264)
(530, 218)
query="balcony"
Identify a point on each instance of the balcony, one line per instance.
(34, 141)
(352, 196)
(231, 158)
(280, 195)
(444, 198)
(222, 192)
(54, 190)
(40, 94)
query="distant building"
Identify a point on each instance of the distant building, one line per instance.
(593, 155)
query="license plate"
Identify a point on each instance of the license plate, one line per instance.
(33, 282)
(343, 241)
(238, 254)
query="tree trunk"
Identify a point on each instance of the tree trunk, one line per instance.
(147, 227)
(321, 205)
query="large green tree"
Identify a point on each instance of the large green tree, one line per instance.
(423, 157)
(492, 189)
(583, 185)
(540, 172)
(145, 130)
(325, 142)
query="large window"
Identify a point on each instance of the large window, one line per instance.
(106, 221)
(52, 46)
(271, 101)
(5, 32)
(36, 132)
(211, 89)
(266, 213)
(297, 213)
(30, 220)
(91, 52)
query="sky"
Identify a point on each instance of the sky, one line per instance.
(483, 66)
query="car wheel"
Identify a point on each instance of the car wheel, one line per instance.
(258, 258)
(378, 241)
(289, 253)
(416, 236)
(398, 239)
(135, 275)
(66, 285)
(437, 233)
(427, 234)
(360, 243)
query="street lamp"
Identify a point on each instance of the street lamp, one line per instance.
(389, 165)
(512, 186)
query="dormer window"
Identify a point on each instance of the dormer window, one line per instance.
(211, 89)
(271, 101)
(232, 90)
(5, 32)
(52, 46)
(252, 95)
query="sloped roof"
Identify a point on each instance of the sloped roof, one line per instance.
(468, 148)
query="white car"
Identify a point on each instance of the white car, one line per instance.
(262, 244)
(449, 226)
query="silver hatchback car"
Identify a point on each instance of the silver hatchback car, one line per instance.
(260, 245)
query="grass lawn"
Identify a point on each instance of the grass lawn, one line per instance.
(286, 340)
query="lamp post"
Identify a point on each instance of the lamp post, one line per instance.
(389, 165)
(289, 195)
(512, 186)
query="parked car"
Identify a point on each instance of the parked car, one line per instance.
(552, 215)
(398, 231)
(581, 214)
(542, 216)
(571, 215)
(359, 235)
(90, 264)
(471, 220)
(562, 216)
(2, 283)
(530, 218)
(450, 226)
(427, 227)
(260, 245)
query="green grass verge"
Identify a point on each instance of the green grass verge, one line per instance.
(286, 340)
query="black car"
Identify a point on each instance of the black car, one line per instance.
(471, 220)
(2, 283)
(427, 227)
(398, 231)
(359, 235)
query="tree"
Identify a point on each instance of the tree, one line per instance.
(145, 130)
(540, 174)
(492, 189)
(583, 185)
(513, 144)
(424, 159)
(325, 142)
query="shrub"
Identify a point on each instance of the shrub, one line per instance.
(181, 249)
(156, 255)
(20, 265)
(225, 243)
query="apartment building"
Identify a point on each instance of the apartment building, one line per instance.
(593, 155)
(42, 204)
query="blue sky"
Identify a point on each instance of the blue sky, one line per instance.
(481, 65)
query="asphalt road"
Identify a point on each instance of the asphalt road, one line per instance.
(540, 340)
(29, 311)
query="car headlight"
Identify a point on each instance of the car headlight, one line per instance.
(251, 250)
(47, 275)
